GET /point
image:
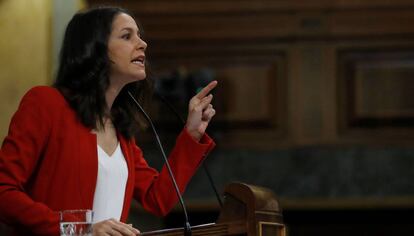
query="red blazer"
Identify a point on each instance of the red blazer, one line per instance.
(48, 163)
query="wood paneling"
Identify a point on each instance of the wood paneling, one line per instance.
(291, 73)
(250, 98)
(241, 20)
(375, 89)
(230, 6)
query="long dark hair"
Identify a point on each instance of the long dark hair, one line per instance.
(83, 74)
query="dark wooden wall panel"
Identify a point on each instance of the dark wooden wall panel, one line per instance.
(291, 73)
(375, 88)
(251, 98)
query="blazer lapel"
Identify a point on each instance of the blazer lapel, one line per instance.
(128, 155)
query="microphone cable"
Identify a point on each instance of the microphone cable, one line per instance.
(187, 226)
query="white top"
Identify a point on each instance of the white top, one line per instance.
(109, 195)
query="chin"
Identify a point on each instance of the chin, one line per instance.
(139, 77)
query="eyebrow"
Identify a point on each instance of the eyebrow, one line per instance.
(130, 29)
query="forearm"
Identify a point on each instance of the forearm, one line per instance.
(19, 210)
(184, 160)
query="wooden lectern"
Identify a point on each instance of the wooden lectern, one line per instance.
(247, 210)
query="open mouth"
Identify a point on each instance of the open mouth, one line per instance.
(139, 60)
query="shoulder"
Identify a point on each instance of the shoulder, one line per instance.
(43, 101)
(44, 95)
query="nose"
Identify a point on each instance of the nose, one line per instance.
(141, 44)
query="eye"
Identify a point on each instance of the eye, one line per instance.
(126, 36)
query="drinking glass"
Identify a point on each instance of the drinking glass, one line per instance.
(76, 223)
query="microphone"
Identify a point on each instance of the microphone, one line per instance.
(206, 170)
(187, 227)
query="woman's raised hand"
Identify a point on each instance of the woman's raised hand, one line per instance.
(200, 112)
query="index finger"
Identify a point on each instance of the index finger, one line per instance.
(206, 90)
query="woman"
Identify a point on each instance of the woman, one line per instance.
(72, 146)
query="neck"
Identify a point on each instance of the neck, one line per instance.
(110, 95)
(112, 92)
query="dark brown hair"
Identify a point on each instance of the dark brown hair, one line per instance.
(83, 74)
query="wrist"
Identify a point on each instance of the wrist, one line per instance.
(194, 134)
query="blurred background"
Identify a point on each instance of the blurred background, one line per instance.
(314, 100)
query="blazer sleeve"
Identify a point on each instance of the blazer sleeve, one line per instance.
(154, 190)
(20, 154)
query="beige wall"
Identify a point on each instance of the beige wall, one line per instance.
(31, 32)
(24, 52)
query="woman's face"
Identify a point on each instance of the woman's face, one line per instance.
(126, 51)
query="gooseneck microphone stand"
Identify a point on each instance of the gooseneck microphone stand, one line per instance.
(210, 179)
(187, 227)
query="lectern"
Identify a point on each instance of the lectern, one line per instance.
(247, 210)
